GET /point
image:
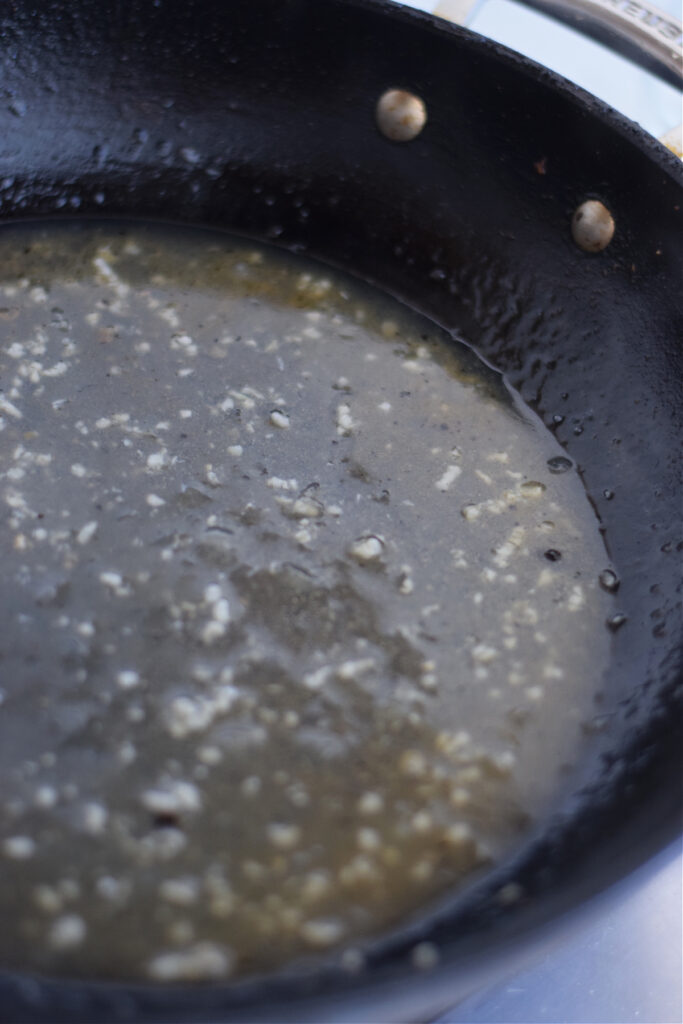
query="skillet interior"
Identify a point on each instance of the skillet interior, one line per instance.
(259, 118)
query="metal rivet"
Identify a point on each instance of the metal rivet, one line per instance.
(400, 115)
(592, 226)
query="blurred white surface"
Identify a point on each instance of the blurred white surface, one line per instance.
(642, 97)
(621, 965)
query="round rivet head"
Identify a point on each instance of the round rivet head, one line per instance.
(592, 226)
(400, 115)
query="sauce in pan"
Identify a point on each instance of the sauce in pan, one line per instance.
(301, 611)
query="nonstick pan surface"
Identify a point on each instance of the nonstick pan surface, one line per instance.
(199, 112)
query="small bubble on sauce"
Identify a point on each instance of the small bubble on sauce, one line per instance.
(609, 581)
(559, 464)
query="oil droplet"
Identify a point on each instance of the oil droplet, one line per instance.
(190, 155)
(608, 495)
(596, 724)
(609, 581)
(559, 464)
(615, 622)
(553, 555)
(17, 107)
(558, 419)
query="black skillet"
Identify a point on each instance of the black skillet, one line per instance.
(196, 111)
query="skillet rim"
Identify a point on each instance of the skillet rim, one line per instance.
(252, 989)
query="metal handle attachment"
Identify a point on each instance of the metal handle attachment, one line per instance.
(634, 28)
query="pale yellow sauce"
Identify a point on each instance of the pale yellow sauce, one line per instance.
(299, 625)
